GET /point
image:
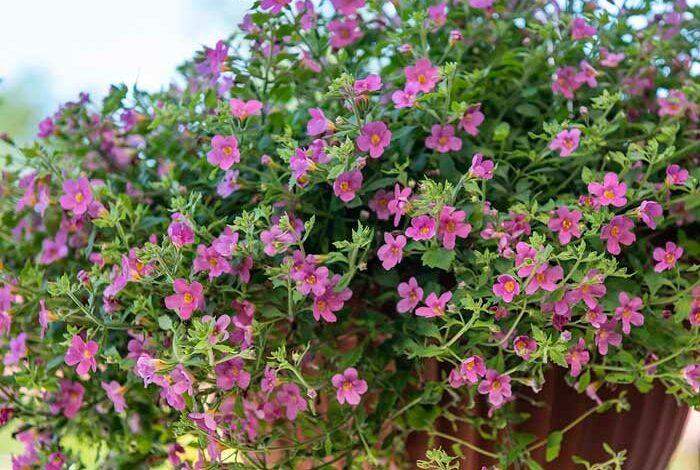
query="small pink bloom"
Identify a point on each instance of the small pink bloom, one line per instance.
(179, 231)
(17, 351)
(397, 206)
(443, 140)
(691, 374)
(276, 240)
(318, 124)
(344, 32)
(115, 393)
(648, 211)
(211, 261)
(524, 259)
(380, 204)
(228, 184)
(610, 59)
(392, 251)
(566, 142)
(675, 175)
(480, 168)
(46, 128)
(506, 287)
(82, 354)
(311, 280)
(481, 4)
(435, 306)
(275, 6)
(243, 109)
(372, 82)
(374, 139)
(577, 357)
(607, 335)
(405, 98)
(186, 299)
(566, 223)
(580, 29)
(347, 184)
(452, 225)
(618, 232)
(77, 195)
(290, 397)
(350, 387)
(438, 14)
(224, 151)
(469, 371)
(595, 316)
(472, 119)
(70, 399)
(610, 192)
(587, 74)
(422, 228)
(666, 257)
(347, 7)
(592, 288)
(330, 301)
(545, 278)
(566, 82)
(423, 75)
(524, 346)
(628, 312)
(496, 386)
(674, 105)
(411, 294)
(230, 373)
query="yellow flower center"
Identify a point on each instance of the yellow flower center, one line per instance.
(375, 139)
(187, 298)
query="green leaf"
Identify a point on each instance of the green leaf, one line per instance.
(553, 445)
(501, 132)
(436, 257)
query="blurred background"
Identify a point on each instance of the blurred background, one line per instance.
(51, 51)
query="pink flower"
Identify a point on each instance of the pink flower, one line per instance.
(443, 140)
(480, 168)
(469, 371)
(566, 82)
(610, 191)
(224, 151)
(592, 288)
(628, 312)
(496, 386)
(230, 373)
(618, 232)
(435, 306)
(244, 109)
(347, 7)
(545, 278)
(595, 316)
(566, 223)
(524, 259)
(675, 175)
(330, 301)
(186, 299)
(666, 257)
(347, 184)
(70, 399)
(438, 13)
(115, 393)
(581, 30)
(349, 387)
(607, 335)
(392, 251)
(226, 243)
(211, 261)
(610, 59)
(311, 280)
(452, 225)
(275, 6)
(179, 231)
(375, 138)
(228, 184)
(83, 354)
(674, 105)
(289, 396)
(318, 124)
(506, 287)
(55, 249)
(77, 195)
(17, 351)
(411, 294)
(422, 228)
(524, 346)
(276, 240)
(566, 142)
(423, 75)
(481, 4)
(587, 74)
(398, 205)
(405, 98)
(577, 357)
(344, 32)
(691, 374)
(648, 211)
(372, 82)
(380, 204)
(472, 119)
(46, 128)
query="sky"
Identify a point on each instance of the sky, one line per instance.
(52, 50)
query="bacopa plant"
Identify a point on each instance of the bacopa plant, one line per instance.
(253, 267)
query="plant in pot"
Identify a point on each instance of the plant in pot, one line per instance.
(367, 234)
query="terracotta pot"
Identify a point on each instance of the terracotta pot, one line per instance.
(649, 432)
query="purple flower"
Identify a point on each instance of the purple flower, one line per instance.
(318, 124)
(577, 357)
(610, 59)
(566, 142)
(545, 278)
(211, 261)
(581, 30)
(452, 225)
(469, 371)
(648, 211)
(422, 228)
(482, 169)
(70, 399)
(481, 4)
(230, 373)
(691, 374)
(375, 137)
(618, 232)
(506, 287)
(289, 396)
(275, 6)
(592, 288)
(434, 305)
(666, 257)
(524, 259)
(179, 231)
(391, 252)
(347, 184)
(77, 195)
(595, 316)
(566, 223)
(607, 335)
(610, 191)
(186, 299)
(443, 140)
(18, 350)
(398, 205)
(226, 243)
(628, 312)
(330, 301)
(405, 98)
(115, 393)
(83, 354)
(496, 386)
(276, 240)
(380, 204)
(224, 151)
(228, 184)
(349, 387)
(471, 120)
(411, 294)
(674, 105)
(46, 128)
(524, 346)
(675, 175)
(566, 82)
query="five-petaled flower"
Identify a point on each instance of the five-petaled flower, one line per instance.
(350, 387)
(186, 299)
(667, 257)
(82, 354)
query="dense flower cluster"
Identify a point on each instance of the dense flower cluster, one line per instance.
(256, 264)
